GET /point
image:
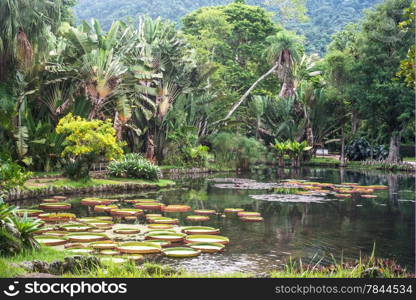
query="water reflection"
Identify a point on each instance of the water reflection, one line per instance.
(306, 230)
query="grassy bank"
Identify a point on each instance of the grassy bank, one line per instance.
(366, 267)
(61, 182)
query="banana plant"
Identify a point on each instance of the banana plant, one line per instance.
(296, 151)
(281, 149)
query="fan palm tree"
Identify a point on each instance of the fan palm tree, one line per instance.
(22, 31)
(284, 51)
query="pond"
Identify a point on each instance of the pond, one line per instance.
(343, 227)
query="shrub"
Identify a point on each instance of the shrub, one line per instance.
(11, 175)
(86, 142)
(134, 165)
(361, 149)
(198, 156)
(237, 150)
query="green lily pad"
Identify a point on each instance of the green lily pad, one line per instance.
(181, 252)
(166, 236)
(207, 247)
(139, 248)
(50, 240)
(86, 237)
(207, 239)
(200, 230)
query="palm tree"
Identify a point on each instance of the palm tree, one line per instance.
(22, 31)
(284, 51)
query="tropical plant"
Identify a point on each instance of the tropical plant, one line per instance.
(11, 175)
(284, 51)
(281, 149)
(361, 149)
(87, 141)
(296, 151)
(134, 165)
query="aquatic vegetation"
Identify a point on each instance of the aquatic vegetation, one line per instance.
(207, 238)
(57, 217)
(207, 247)
(181, 252)
(205, 212)
(197, 218)
(139, 248)
(134, 165)
(58, 206)
(86, 237)
(122, 212)
(200, 230)
(50, 240)
(176, 208)
(126, 230)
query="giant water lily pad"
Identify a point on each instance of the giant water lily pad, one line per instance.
(200, 230)
(50, 240)
(207, 247)
(163, 220)
(139, 248)
(126, 230)
(56, 217)
(109, 252)
(82, 250)
(58, 206)
(176, 208)
(197, 218)
(161, 243)
(86, 237)
(76, 227)
(104, 208)
(159, 226)
(104, 245)
(123, 212)
(148, 205)
(233, 210)
(248, 214)
(204, 212)
(181, 252)
(166, 236)
(252, 219)
(243, 184)
(207, 239)
(92, 201)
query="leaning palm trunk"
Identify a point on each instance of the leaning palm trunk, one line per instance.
(150, 147)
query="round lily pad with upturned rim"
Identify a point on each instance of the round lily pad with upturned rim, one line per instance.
(50, 200)
(134, 257)
(252, 219)
(86, 237)
(181, 252)
(161, 243)
(207, 239)
(81, 250)
(76, 227)
(159, 226)
(139, 248)
(57, 217)
(207, 247)
(197, 218)
(126, 230)
(176, 208)
(233, 210)
(204, 212)
(103, 245)
(50, 240)
(200, 230)
(55, 206)
(60, 197)
(148, 206)
(110, 252)
(122, 212)
(166, 236)
(104, 208)
(91, 201)
(248, 214)
(163, 220)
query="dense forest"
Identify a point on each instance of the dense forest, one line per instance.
(231, 87)
(325, 17)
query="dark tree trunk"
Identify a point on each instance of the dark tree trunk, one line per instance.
(394, 150)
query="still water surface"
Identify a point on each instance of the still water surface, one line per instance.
(311, 231)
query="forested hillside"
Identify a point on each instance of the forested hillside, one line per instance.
(325, 16)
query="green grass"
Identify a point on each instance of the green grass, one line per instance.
(45, 183)
(409, 159)
(46, 174)
(147, 270)
(48, 254)
(322, 161)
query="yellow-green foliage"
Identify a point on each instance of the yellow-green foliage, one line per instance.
(89, 137)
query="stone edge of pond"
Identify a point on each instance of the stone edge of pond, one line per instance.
(22, 194)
